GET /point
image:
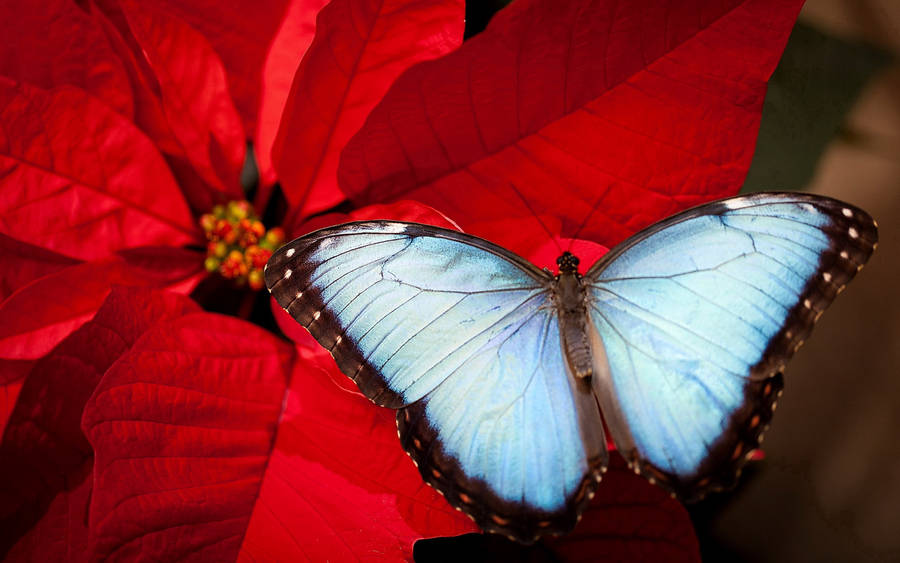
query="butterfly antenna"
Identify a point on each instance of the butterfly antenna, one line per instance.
(584, 223)
(536, 217)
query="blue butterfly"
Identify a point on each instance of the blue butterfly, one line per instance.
(500, 371)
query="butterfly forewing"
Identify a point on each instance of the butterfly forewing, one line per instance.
(695, 318)
(384, 301)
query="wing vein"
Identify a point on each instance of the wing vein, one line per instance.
(669, 322)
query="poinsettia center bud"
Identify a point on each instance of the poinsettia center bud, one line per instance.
(238, 243)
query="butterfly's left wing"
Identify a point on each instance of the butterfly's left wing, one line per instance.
(463, 338)
(695, 318)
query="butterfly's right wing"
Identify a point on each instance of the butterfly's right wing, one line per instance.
(697, 316)
(462, 337)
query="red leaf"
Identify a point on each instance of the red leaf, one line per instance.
(627, 110)
(12, 377)
(77, 178)
(360, 47)
(46, 457)
(545, 253)
(194, 94)
(630, 520)
(291, 328)
(182, 428)
(42, 313)
(241, 37)
(61, 535)
(177, 269)
(261, 50)
(58, 43)
(403, 210)
(346, 489)
(149, 114)
(21, 263)
(45, 310)
(189, 463)
(285, 53)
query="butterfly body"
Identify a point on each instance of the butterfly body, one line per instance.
(570, 298)
(503, 375)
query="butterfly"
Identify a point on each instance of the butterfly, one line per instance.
(503, 374)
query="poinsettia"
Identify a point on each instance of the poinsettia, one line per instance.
(94, 182)
(147, 428)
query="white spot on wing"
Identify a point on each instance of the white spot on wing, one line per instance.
(853, 233)
(807, 303)
(393, 228)
(844, 254)
(826, 276)
(847, 212)
(733, 204)
(290, 252)
(316, 315)
(299, 295)
(287, 274)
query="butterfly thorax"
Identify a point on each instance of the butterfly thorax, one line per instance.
(570, 298)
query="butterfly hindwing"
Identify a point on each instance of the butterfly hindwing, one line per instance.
(461, 336)
(511, 430)
(695, 318)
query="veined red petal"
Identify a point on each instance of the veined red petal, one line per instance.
(289, 326)
(61, 535)
(177, 269)
(79, 179)
(56, 43)
(45, 475)
(39, 315)
(630, 520)
(194, 94)
(361, 46)
(602, 113)
(285, 53)
(203, 448)
(149, 114)
(22, 263)
(243, 39)
(345, 488)
(403, 210)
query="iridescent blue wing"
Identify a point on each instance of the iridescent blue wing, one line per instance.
(461, 336)
(697, 316)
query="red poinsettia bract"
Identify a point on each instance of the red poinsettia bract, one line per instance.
(137, 426)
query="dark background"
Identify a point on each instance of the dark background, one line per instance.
(829, 487)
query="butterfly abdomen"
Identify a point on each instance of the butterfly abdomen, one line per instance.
(569, 296)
